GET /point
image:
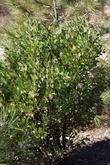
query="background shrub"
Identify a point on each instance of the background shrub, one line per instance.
(105, 62)
(49, 77)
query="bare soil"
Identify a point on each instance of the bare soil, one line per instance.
(95, 151)
(96, 154)
(4, 13)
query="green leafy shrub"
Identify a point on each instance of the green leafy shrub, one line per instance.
(7, 123)
(51, 78)
(105, 62)
(105, 96)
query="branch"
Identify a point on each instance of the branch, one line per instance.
(43, 4)
(55, 10)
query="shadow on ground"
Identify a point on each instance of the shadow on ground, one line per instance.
(97, 154)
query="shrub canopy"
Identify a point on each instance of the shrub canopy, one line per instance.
(50, 77)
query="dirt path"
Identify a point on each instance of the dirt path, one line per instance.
(95, 152)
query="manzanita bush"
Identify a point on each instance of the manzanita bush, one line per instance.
(50, 77)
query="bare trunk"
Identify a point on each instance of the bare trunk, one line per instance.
(55, 10)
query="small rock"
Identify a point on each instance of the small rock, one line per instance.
(2, 54)
(106, 10)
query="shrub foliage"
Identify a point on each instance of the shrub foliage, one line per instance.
(51, 79)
